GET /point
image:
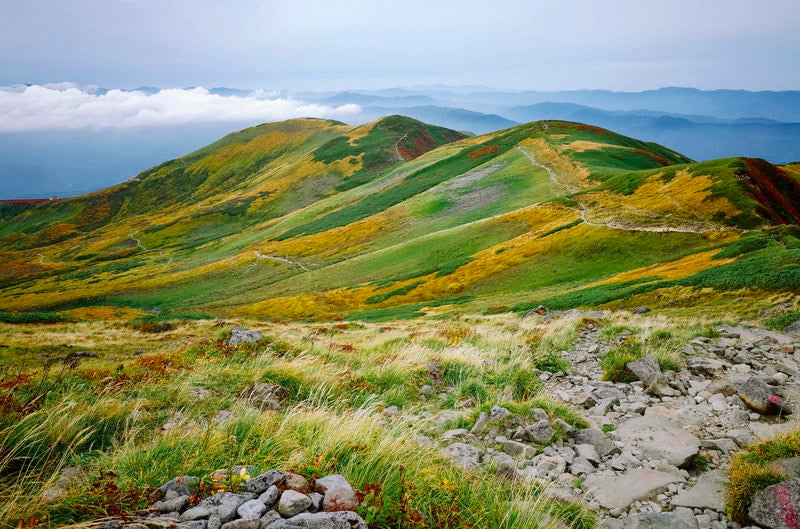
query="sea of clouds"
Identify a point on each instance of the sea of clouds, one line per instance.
(67, 106)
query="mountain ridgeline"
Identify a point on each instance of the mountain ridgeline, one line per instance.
(315, 219)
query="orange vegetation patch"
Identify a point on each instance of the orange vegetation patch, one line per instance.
(691, 264)
(484, 151)
(105, 312)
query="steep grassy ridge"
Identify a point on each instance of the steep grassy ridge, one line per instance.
(315, 219)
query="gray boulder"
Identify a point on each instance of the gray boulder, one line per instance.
(241, 335)
(599, 440)
(539, 432)
(463, 455)
(645, 369)
(660, 438)
(618, 492)
(708, 492)
(759, 396)
(251, 509)
(776, 507)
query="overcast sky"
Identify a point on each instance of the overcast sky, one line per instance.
(626, 45)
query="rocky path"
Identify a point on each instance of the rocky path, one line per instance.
(658, 449)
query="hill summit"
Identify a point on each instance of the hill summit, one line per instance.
(313, 218)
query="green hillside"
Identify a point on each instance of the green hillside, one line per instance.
(314, 219)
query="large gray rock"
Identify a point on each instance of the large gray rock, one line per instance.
(338, 494)
(264, 481)
(617, 492)
(658, 520)
(241, 335)
(293, 503)
(463, 455)
(270, 496)
(515, 448)
(708, 493)
(778, 506)
(539, 432)
(598, 439)
(645, 369)
(660, 438)
(788, 467)
(321, 520)
(760, 396)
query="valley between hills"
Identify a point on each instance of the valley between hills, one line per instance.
(475, 331)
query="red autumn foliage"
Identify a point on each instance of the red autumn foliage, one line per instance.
(484, 151)
(777, 193)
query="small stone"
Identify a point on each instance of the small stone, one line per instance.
(641, 310)
(480, 423)
(269, 518)
(182, 485)
(587, 452)
(428, 390)
(595, 437)
(251, 509)
(264, 481)
(316, 502)
(192, 524)
(246, 523)
(295, 482)
(515, 448)
(498, 412)
(270, 496)
(293, 503)
(339, 494)
(173, 504)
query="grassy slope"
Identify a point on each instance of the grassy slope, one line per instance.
(365, 229)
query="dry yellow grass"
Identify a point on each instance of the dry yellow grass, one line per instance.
(691, 264)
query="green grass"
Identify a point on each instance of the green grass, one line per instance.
(110, 424)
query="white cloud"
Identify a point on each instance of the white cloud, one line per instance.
(68, 106)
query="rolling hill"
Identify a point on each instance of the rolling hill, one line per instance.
(315, 219)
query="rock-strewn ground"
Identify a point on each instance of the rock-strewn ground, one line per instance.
(658, 449)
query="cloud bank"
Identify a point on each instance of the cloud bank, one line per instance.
(66, 106)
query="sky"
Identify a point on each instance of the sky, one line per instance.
(65, 48)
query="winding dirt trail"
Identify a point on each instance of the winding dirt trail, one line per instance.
(278, 258)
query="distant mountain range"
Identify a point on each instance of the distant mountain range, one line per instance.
(701, 124)
(316, 219)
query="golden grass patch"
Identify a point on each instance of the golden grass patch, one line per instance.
(691, 264)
